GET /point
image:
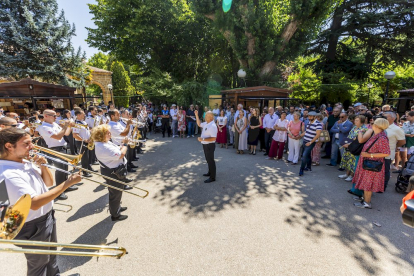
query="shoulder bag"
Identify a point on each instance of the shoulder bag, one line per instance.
(372, 165)
(325, 136)
(120, 172)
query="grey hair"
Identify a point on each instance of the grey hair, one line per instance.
(240, 105)
(392, 114)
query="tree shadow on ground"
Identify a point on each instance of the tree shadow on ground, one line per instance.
(91, 208)
(323, 206)
(96, 235)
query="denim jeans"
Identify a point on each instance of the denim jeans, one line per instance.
(306, 156)
(336, 147)
(190, 128)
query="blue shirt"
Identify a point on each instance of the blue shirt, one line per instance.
(165, 112)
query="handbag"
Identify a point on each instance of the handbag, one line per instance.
(120, 171)
(372, 165)
(325, 136)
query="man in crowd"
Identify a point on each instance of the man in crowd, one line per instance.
(332, 119)
(305, 118)
(82, 137)
(191, 120)
(312, 133)
(396, 138)
(7, 122)
(174, 124)
(339, 132)
(289, 117)
(268, 123)
(230, 124)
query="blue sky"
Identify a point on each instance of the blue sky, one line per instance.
(77, 12)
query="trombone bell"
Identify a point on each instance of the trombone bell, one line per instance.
(72, 159)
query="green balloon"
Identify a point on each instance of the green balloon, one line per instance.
(227, 5)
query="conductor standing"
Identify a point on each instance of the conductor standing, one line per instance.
(208, 139)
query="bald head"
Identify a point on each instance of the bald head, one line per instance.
(12, 115)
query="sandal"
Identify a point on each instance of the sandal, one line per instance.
(241, 152)
(238, 152)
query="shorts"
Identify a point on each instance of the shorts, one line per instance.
(403, 148)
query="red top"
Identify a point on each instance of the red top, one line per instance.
(407, 197)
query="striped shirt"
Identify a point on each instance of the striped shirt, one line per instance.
(310, 132)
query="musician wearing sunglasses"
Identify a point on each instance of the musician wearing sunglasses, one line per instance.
(7, 122)
(53, 134)
(113, 162)
(23, 177)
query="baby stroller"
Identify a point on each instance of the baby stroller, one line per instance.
(404, 176)
(158, 126)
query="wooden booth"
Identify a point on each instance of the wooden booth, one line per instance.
(404, 102)
(258, 96)
(13, 96)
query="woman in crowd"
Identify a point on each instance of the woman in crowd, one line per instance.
(181, 122)
(204, 114)
(316, 152)
(262, 132)
(376, 149)
(296, 131)
(221, 123)
(279, 138)
(348, 159)
(240, 126)
(255, 123)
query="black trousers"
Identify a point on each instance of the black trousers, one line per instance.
(115, 196)
(92, 156)
(85, 157)
(268, 139)
(165, 126)
(130, 155)
(209, 154)
(71, 142)
(60, 177)
(40, 229)
(262, 139)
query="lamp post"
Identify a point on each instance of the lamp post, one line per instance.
(370, 85)
(389, 76)
(242, 75)
(110, 91)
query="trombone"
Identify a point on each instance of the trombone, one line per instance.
(14, 219)
(73, 160)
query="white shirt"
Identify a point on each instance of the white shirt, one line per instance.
(269, 121)
(222, 121)
(46, 130)
(290, 118)
(150, 117)
(216, 112)
(84, 133)
(116, 129)
(209, 130)
(394, 134)
(91, 121)
(173, 113)
(108, 154)
(24, 178)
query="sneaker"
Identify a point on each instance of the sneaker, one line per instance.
(363, 205)
(268, 158)
(315, 164)
(393, 167)
(358, 198)
(343, 176)
(188, 136)
(307, 169)
(349, 178)
(192, 136)
(301, 173)
(330, 165)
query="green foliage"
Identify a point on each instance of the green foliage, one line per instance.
(35, 41)
(121, 84)
(99, 60)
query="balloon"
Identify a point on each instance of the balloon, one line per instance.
(227, 5)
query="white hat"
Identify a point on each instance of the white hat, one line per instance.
(173, 105)
(357, 104)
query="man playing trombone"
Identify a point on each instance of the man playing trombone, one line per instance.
(53, 134)
(82, 137)
(23, 177)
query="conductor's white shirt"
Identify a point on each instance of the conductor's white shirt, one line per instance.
(46, 130)
(108, 154)
(209, 130)
(24, 178)
(116, 129)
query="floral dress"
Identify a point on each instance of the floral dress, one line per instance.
(368, 180)
(348, 159)
(181, 122)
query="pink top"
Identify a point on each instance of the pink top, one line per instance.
(281, 136)
(295, 128)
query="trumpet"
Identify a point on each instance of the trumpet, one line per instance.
(14, 219)
(135, 122)
(130, 140)
(71, 160)
(81, 126)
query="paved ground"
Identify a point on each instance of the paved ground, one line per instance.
(259, 218)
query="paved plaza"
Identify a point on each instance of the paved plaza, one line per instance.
(258, 218)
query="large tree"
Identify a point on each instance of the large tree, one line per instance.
(122, 84)
(35, 41)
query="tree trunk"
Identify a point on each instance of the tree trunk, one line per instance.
(334, 37)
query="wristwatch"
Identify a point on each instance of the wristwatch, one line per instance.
(372, 156)
(125, 145)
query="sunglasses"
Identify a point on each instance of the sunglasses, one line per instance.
(14, 125)
(342, 117)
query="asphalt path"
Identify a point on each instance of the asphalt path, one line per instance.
(258, 218)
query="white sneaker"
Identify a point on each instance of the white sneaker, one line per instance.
(343, 176)
(393, 167)
(192, 136)
(349, 178)
(188, 136)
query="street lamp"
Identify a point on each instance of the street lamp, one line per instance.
(110, 91)
(242, 74)
(389, 76)
(370, 85)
